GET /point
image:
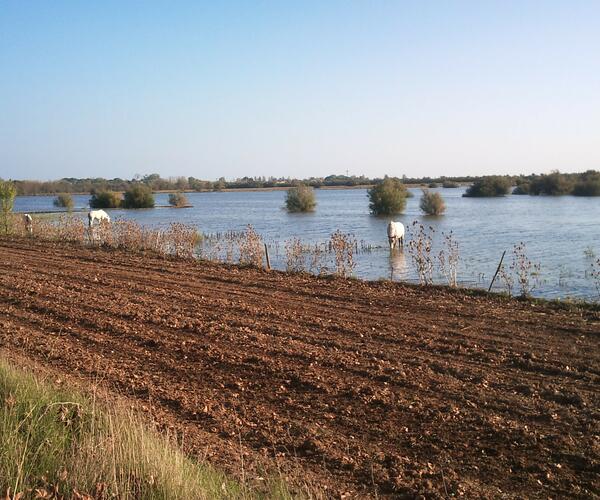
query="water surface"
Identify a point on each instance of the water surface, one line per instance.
(560, 233)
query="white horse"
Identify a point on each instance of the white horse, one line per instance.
(99, 215)
(395, 232)
(28, 220)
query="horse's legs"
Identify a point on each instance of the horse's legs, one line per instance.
(392, 242)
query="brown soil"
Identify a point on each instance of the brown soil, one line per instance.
(362, 389)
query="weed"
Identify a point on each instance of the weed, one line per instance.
(419, 249)
(343, 247)
(448, 259)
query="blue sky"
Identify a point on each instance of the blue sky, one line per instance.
(297, 89)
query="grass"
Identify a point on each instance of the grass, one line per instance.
(59, 443)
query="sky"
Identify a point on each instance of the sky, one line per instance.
(298, 89)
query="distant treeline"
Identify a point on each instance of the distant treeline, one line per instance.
(583, 184)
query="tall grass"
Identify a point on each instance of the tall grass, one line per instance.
(58, 443)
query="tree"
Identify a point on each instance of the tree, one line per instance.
(388, 197)
(300, 198)
(492, 185)
(553, 184)
(64, 200)
(432, 203)
(138, 196)
(8, 191)
(588, 185)
(105, 199)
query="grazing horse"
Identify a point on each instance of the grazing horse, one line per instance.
(99, 215)
(28, 220)
(395, 232)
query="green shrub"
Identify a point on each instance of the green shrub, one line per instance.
(432, 203)
(588, 184)
(450, 184)
(433, 185)
(388, 197)
(300, 198)
(489, 186)
(105, 199)
(138, 196)
(64, 200)
(8, 192)
(178, 200)
(554, 184)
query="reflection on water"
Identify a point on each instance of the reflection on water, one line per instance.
(561, 233)
(398, 268)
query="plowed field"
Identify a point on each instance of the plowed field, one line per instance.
(360, 389)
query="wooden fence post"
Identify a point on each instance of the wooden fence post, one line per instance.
(497, 271)
(267, 255)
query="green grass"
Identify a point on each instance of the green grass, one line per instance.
(60, 441)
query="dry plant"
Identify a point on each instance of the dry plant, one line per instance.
(182, 240)
(595, 275)
(419, 249)
(448, 259)
(343, 247)
(294, 255)
(316, 260)
(524, 269)
(251, 248)
(507, 278)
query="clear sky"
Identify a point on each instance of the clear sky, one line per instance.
(115, 88)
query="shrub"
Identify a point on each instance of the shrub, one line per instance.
(450, 184)
(178, 200)
(300, 198)
(554, 184)
(105, 199)
(138, 196)
(523, 188)
(588, 184)
(388, 197)
(489, 186)
(8, 191)
(433, 185)
(64, 200)
(432, 203)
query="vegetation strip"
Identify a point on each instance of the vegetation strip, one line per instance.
(57, 443)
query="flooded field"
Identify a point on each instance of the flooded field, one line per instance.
(562, 234)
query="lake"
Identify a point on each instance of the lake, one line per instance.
(560, 233)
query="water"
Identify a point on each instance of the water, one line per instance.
(559, 232)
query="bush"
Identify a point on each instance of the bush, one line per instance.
(388, 197)
(105, 199)
(554, 184)
(64, 200)
(433, 185)
(138, 196)
(489, 186)
(8, 191)
(300, 198)
(178, 200)
(432, 203)
(523, 188)
(450, 184)
(588, 184)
